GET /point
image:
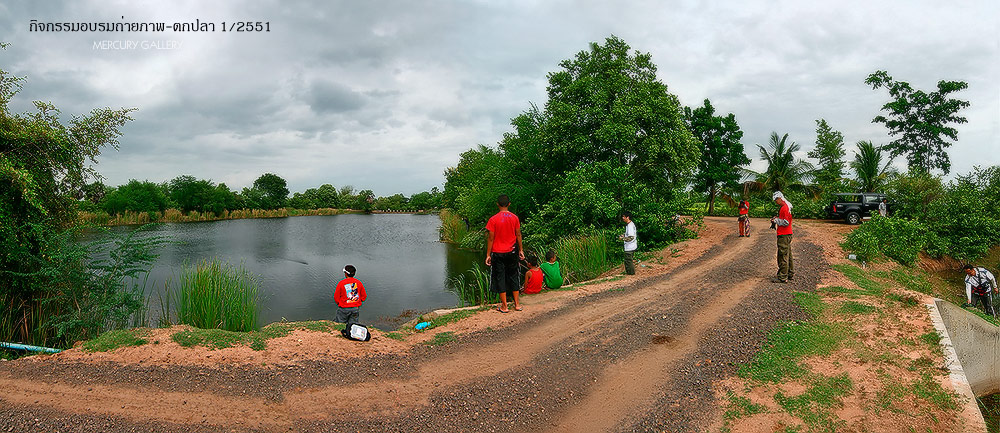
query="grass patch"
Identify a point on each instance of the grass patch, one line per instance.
(933, 341)
(912, 280)
(441, 338)
(810, 302)
(852, 307)
(984, 316)
(740, 407)
(112, 340)
(789, 342)
(398, 336)
(257, 340)
(850, 293)
(814, 406)
(786, 345)
(925, 388)
(452, 317)
(905, 300)
(860, 277)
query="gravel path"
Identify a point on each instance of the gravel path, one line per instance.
(639, 357)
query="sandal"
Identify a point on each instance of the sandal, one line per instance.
(503, 311)
(518, 309)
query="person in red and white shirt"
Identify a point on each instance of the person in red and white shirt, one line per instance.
(744, 218)
(349, 294)
(783, 225)
(979, 286)
(503, 252)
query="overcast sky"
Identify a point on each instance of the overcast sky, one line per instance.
(384, 95)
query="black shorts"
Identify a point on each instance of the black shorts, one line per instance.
(504, 273)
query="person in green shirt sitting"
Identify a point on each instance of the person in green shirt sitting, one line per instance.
(550, 270)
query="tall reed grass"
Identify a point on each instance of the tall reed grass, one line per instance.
(212, 294)
(176, 216)
(473, 287)
(453, 227)
(583, 257)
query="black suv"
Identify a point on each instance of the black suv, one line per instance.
(853, 207)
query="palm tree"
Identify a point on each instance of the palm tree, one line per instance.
(783, 170)
(869, 171)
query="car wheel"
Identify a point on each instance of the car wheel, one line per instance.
(853, 218)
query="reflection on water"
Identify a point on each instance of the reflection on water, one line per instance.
(300, 260)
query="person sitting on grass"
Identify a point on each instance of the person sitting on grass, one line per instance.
(532, 278)
(979, 284)
(550, 269)
(349, 295)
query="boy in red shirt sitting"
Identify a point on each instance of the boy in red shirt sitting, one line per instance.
(349, 295)
(533, 278)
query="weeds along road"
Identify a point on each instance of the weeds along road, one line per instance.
(641, 355)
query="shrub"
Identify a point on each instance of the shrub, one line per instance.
(895, 238)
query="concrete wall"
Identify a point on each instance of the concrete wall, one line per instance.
(976, 344)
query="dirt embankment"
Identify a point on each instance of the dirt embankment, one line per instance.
(641, 353)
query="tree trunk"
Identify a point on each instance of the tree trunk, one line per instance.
(711, 199)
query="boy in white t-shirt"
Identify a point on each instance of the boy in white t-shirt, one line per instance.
(631, 241)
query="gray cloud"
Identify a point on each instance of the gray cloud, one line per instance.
(386, 94)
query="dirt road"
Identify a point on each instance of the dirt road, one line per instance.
(641, 354)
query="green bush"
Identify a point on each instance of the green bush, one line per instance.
(895, 238)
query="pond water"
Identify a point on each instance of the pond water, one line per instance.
(404, 268)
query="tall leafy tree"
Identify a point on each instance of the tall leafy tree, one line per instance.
(784, 170)
(135, 196)
(830, 152)
(45, 162)
(191, 194)
(922, 121)
(273, 190)
(870, 170)
(607, 113)
(721, 150)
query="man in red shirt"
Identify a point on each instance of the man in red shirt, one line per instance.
(349, 294)
(783, 225)
(501, 255)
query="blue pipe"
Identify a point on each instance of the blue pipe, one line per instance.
(27, 347)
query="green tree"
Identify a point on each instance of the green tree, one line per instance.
(365, 200)
(96, 191)
(783, 171)
(870, 171)
(44, 164)
(721, 150)
(830, 152)
(135, 196)
(472, 186)
(223, 199)
(191, 194)
(327, 196)
(273, 191)
(301, 200)
(422, 200)
(922, 121)
(606, 111)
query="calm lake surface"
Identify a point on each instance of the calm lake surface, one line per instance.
(404, 268)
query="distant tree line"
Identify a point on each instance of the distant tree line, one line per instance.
(187, 193)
